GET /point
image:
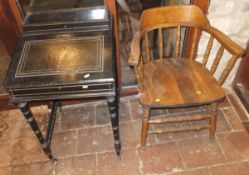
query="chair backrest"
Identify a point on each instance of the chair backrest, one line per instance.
(178, 17)
(172, 16)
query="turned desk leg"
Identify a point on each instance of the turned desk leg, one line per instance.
(113, 108)
(29, 117)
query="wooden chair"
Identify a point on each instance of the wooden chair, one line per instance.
(176, 82)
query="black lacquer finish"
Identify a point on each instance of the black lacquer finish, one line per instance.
(62, 63)
(113, 108)
(95, 17)
(52, 62)
(41, 5)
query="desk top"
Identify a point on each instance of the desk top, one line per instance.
(55, 59)
(62, 63)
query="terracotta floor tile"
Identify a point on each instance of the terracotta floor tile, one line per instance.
(151, 138)
(161, 158)
(235, 145)
(64, 144)
(64, 167)
(41, 115)
(128, 134)
(41, 168)
(233, 119)
(82, 165)
(201, 171)
(102, 113)
(85, 165)
(6, 170)
(231, 169)
(47, 168)
(10, 125)
(107, 163)
(57, 125)
(19, 126)
(27, 150)
(237, 106)
(200, 151)
(77, 116)
(222, 125)
(6, 150)
(158, 112)
(225, 103)
(136, 109)
(95, 139)
(30, 169)
(165, 137)
(246, 125)
(124, 111)
(21, 153)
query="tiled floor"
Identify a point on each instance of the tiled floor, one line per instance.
(83, 144)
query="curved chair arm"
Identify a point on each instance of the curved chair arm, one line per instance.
(229, 44)
(134, 56)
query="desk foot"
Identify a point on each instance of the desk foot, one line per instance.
(54, 159)
(119, 158)
(113, 108)
(117, 147)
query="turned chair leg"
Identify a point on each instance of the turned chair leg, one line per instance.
(145, 126)
(213, 119)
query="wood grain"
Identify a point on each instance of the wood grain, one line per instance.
(178, 82)
(10, 25)
(208, 50)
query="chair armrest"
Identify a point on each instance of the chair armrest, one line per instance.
(229, 44)
(134, 56)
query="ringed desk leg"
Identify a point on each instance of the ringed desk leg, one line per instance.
(113, 108)
(46, 141)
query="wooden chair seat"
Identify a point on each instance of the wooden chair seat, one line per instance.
(178, 83)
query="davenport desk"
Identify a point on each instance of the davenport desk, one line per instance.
(64, 54)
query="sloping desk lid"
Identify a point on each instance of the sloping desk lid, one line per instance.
(65, 58)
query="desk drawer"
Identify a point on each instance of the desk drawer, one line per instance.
(63, 90)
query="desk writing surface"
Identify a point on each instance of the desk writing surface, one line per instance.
(61, 56)
(65, 58)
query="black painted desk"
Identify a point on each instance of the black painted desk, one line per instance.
(64, 60)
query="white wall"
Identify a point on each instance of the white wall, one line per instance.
(232, 18)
